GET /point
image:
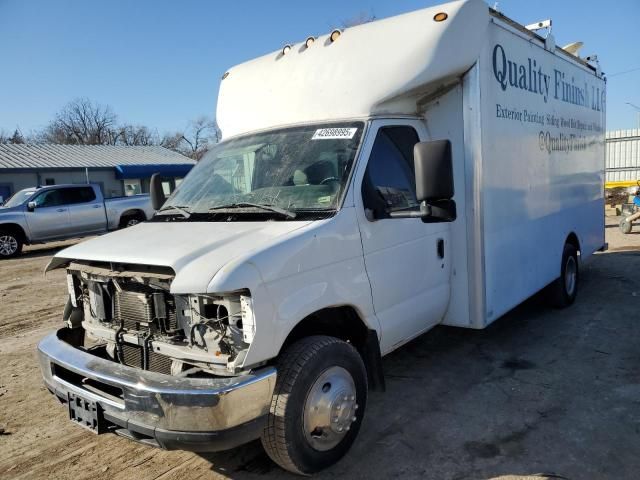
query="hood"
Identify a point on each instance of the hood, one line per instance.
(10, 209)
(195, 251)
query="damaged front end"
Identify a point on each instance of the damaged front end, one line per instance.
(131, 312)
(166, 370)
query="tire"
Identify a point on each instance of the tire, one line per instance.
(625, 227)
(10, 244)
(563, 291)
(132, 219)
(313, 372)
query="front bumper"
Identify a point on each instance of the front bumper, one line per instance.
(197, 414)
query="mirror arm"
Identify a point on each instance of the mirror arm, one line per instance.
(425, 211)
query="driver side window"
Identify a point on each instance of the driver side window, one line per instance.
(389, 181)
(51, 198)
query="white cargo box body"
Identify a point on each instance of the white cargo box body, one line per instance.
(526, 121)
(534, 124)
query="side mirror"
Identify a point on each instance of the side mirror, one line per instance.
(434, 183)
(434, 171)
(434, 180)
(31, 206)
(156, 192)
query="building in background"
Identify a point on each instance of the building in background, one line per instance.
(623, 158)
(119, 170)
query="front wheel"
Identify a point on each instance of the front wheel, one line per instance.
(10, 244)
(317, 406)
(564, 290)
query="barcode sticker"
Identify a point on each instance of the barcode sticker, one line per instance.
(334, 133)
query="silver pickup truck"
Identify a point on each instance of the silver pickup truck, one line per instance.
(43, 214)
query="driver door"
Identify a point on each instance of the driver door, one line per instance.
(407, 260)
(50, 218)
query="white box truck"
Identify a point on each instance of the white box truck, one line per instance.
(438, 167)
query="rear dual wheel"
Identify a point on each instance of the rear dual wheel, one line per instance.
(564, 290)
(317, 406)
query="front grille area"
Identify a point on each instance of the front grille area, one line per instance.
(134, 306)
(157, 362)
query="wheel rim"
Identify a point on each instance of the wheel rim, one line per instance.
(570, 275)
(330, 409)
(8, 245)
(132, 222)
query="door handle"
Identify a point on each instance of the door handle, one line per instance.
(96, 206)
(61, 210)
(440, 248)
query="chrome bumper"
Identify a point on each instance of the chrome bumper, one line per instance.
(199, 414)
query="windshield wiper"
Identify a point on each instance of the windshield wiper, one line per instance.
(183, 210)
(270, 208)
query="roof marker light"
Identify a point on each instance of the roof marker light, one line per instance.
(440, 17)
(335, 35)
(309, 41)
(226, 74)
(286, 49)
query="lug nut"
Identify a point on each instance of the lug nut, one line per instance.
(355, 407)
(353, 419)
(348, 428)
(352, 398)
(340, 429)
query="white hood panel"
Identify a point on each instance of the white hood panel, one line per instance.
(195, 251)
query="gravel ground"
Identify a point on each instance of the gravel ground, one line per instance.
(539, 394)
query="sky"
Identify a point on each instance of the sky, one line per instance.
(159, 62)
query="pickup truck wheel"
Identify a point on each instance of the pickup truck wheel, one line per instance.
(317, 405)
(564, 290)
(131, 220)
(10, 244)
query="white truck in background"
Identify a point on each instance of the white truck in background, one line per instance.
(438, 167)
(50, 213)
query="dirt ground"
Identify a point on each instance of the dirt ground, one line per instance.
(539, 394)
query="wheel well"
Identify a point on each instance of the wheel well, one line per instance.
(572, 239)
(15, 229)
(340, 322)
(344, 323)
(133, 213)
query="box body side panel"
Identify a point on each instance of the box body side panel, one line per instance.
(542, 173)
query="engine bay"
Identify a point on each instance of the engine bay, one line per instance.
(130, 311)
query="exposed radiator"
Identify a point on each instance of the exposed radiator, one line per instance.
(135, 306)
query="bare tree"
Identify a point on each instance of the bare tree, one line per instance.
(81, 122)
(359, 19)
(172, 141)
(15, 139)
(135, 135)
(196, 140)
(199, 137)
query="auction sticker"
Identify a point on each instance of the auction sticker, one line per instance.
(334, 133)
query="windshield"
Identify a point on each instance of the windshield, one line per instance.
(295, 169)
(19, 198)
